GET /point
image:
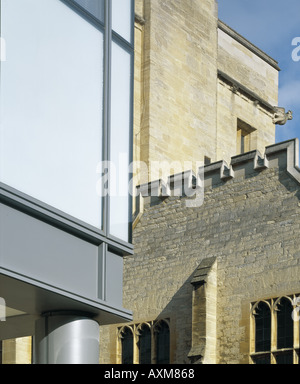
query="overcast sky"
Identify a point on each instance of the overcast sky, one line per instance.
(272, 25)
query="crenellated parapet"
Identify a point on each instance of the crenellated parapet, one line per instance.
(283, 155)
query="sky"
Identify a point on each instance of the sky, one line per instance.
(273, 25)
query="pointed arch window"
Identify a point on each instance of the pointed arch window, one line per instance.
(127, 346)
(275, 331)
(144, 344)
(162, 343)
(285, 324)
(262, 328)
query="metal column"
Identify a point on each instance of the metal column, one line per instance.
(66, 338)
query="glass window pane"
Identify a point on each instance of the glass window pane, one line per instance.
(120, 142)
(121, 18)
(145, 345)
(285, 358)
(285, 325)
(94, 7)
(127, 347)
(262, 360)
(163, 344)
(263, 328)
(51, 106)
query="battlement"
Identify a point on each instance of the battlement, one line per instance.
(284, 156)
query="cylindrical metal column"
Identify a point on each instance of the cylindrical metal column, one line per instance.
(66, 338)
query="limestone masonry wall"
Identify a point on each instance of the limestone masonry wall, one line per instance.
(250, 223)
(179, 72)
(184, 110)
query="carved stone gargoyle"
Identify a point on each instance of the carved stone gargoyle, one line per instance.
(281, 117)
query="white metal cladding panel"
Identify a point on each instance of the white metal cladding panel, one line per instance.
(44, 253)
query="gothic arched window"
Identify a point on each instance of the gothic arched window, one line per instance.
(285, 325)
(263, 327)
(145, 344)
(127, 346)
(162, 343)
(275, 331)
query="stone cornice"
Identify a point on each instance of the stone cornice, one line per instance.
(247, 92)
(246, 43)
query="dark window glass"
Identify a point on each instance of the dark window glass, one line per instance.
(263, 328)
(0, 351)
(262, 360)
(145, 345)
(163, 344)
(285, 325)
(285, 358)
(94, 7)
(127, 347)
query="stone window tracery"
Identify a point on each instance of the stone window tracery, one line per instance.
(144, 343)
(275, 331)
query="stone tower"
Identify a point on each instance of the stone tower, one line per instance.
(176, 88)
(203, 93)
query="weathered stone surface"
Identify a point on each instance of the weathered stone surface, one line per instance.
(250, 225)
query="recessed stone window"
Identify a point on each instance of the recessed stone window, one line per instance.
(246, 140)
(144, 343)
(275, 331)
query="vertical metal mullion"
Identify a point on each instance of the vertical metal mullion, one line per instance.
(102, 278)
(131, 122)
(107, 107)
(108, 42)
(130, 149)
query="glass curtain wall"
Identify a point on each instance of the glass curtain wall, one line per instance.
(121, 116)
(66, 106)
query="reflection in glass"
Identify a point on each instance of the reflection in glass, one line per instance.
(120, 142)
(121, 18)
(94, 7)
(51, 106)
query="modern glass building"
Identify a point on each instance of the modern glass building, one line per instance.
(65, 148)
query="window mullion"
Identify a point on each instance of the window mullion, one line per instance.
(252, 333)
(136, 354)
(296, 315)
(273, 332)
(107, 107)
(153, 345)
